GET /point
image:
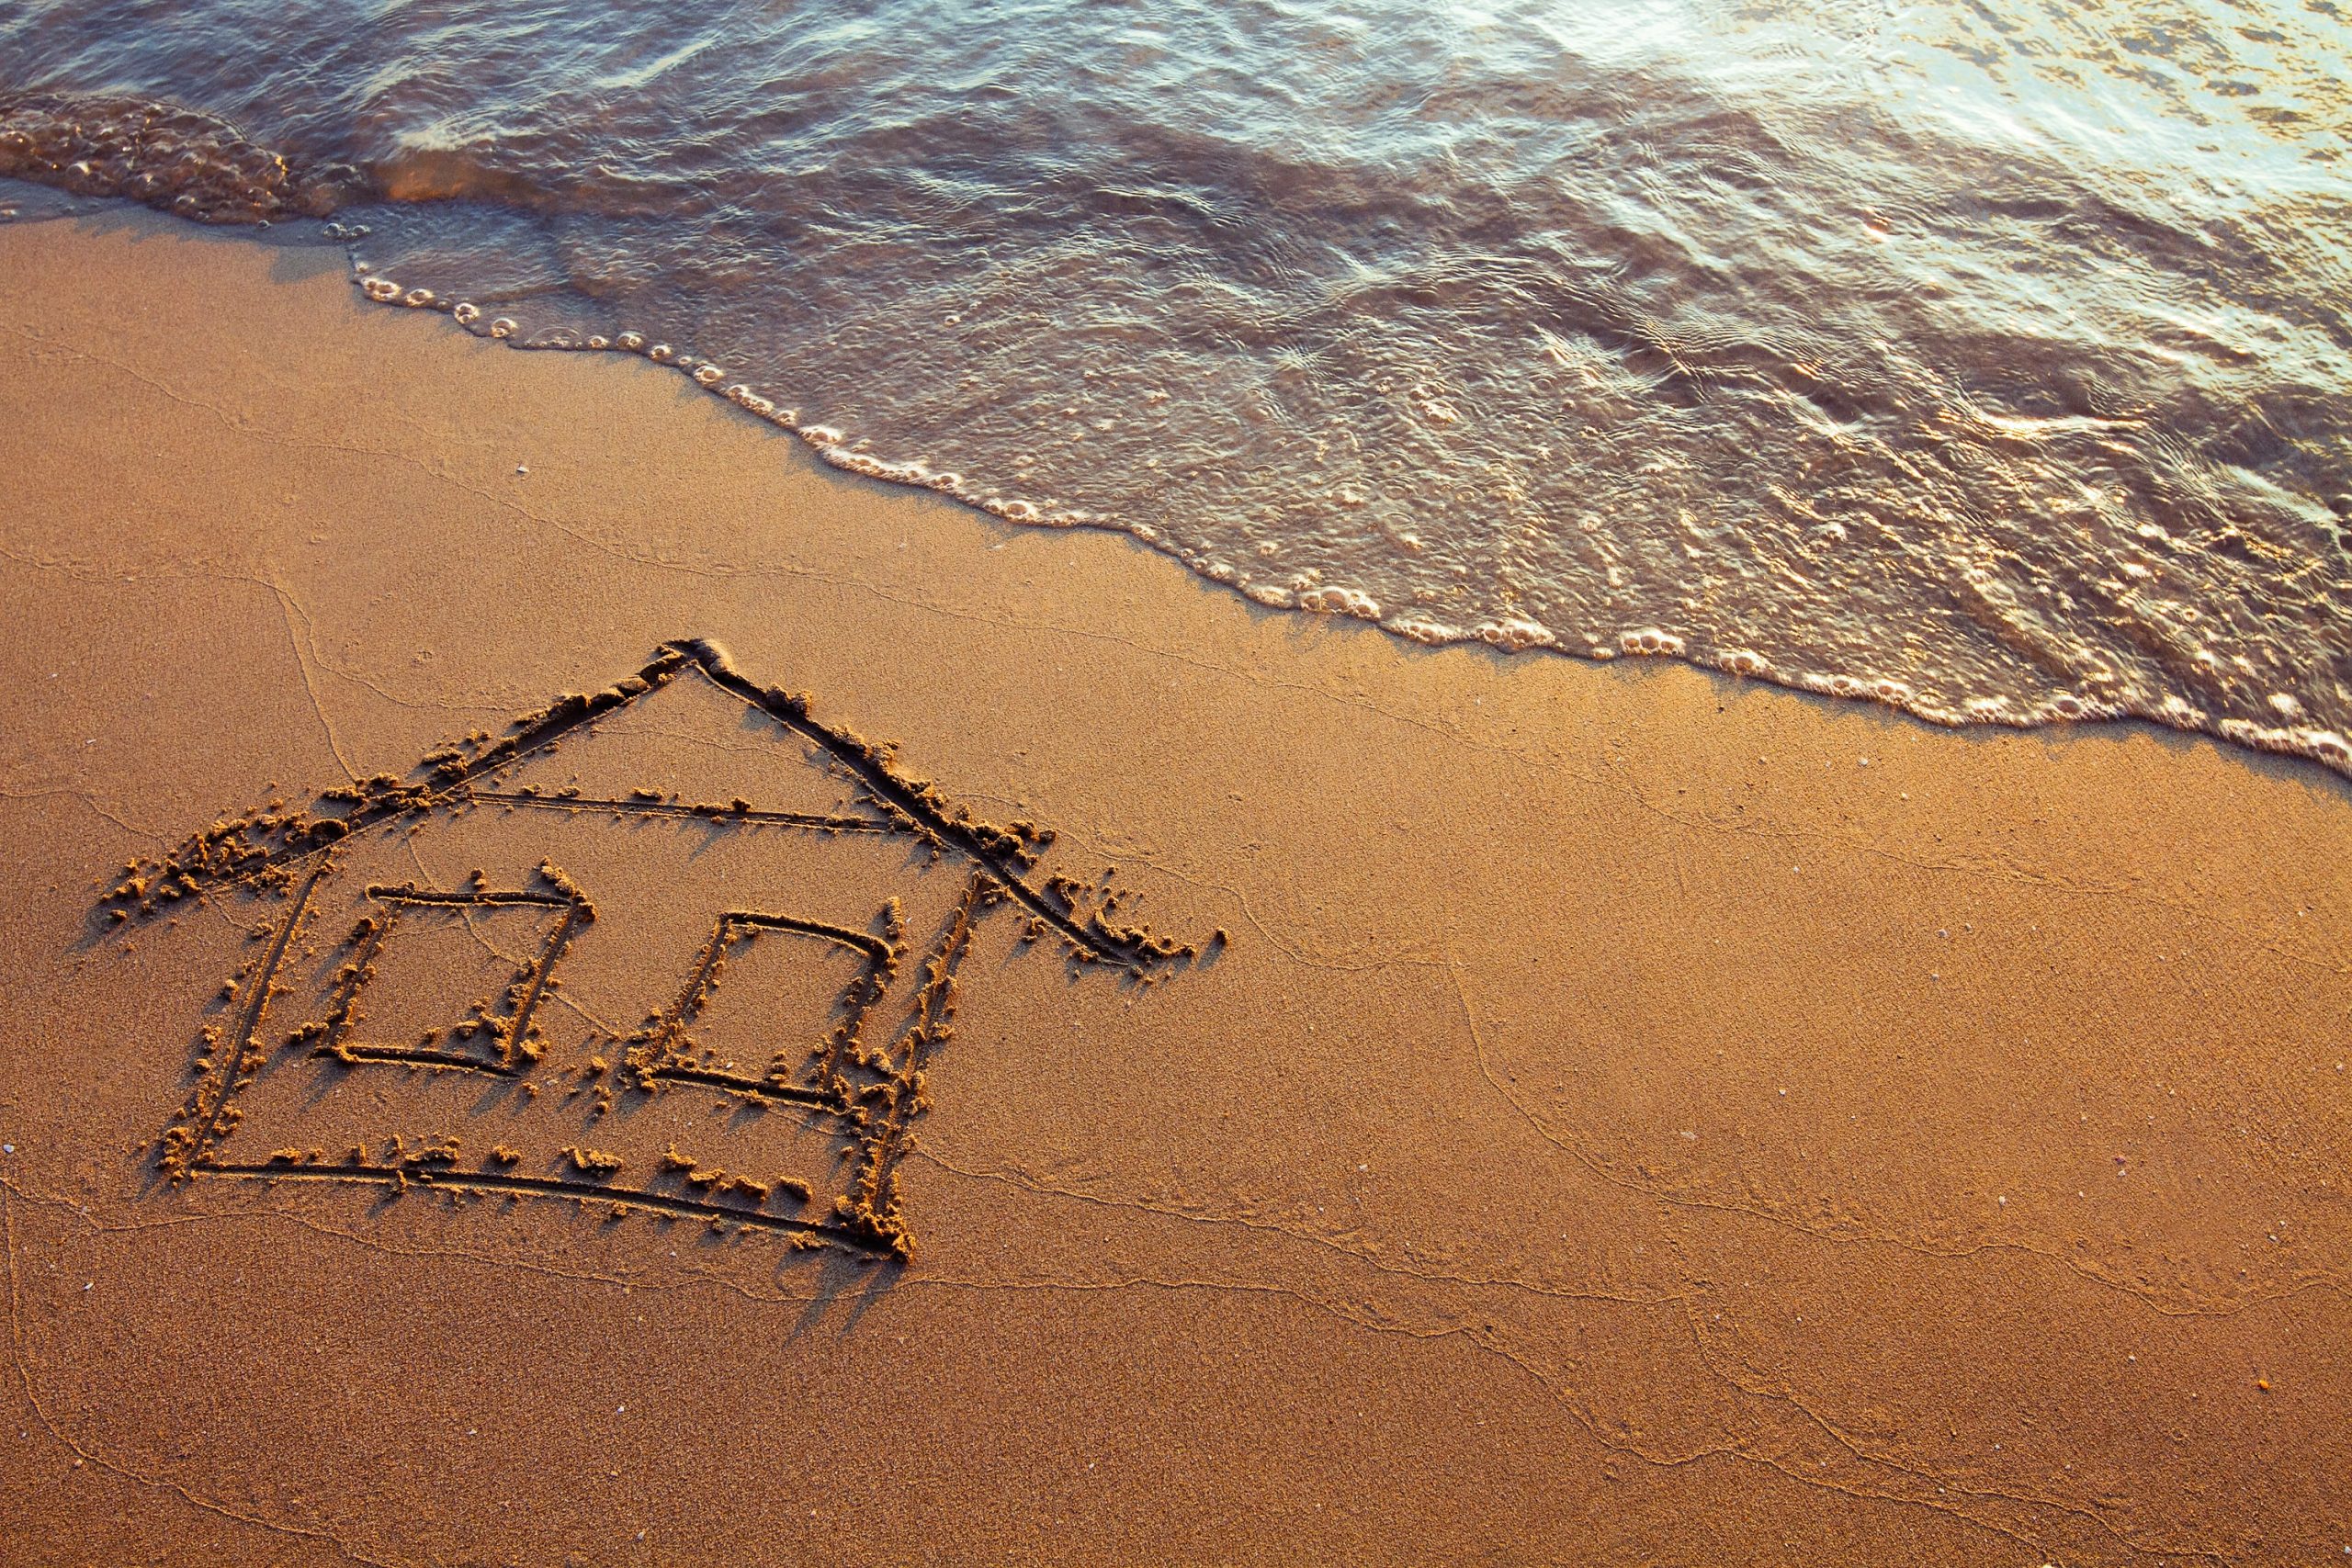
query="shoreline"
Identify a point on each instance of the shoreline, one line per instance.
(2325, 749)
(1640, 1113)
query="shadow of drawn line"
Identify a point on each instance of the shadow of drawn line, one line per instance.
(413, 1056)
(469, 898)
(720, 816)
(400, 1179)
(736, 1083)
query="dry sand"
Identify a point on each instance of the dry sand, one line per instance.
(1638, 1116)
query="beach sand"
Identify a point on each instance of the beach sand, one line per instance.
(1635, 1115)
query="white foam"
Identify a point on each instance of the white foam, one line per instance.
(1333, 601)
(1416, 628)
(1651, 640)
(1517, 636)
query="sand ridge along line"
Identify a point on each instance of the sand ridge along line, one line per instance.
(447, 1005)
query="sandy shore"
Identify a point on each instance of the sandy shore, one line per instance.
(1634, 1116)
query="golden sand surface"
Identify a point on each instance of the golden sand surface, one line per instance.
(1633, 1116)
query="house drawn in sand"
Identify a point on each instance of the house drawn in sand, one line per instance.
(450, 988)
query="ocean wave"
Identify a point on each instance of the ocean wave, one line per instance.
(1996, 372)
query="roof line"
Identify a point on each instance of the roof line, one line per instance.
(909, 806)
(916, 802)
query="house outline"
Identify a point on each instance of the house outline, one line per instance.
(292, 853)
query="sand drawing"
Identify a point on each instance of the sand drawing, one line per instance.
(395, 1032)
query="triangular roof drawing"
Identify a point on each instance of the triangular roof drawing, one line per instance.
(467, 998)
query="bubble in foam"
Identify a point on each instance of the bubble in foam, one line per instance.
(1746, 661)
(600, 341)
(382, 289)
(658, 352)
(502, 327)
(417, 299)
(464, 313)
(1650, 639)
(1516, 636)
(874, 468)
(1333, 601)
(709, 375)
(631, 341)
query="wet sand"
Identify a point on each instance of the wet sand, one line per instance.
(1634, 1116)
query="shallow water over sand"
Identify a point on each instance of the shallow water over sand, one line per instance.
(1989, 365)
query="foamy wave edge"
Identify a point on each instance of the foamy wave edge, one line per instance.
(2328, 747)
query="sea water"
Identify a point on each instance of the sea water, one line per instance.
(1988, 360)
